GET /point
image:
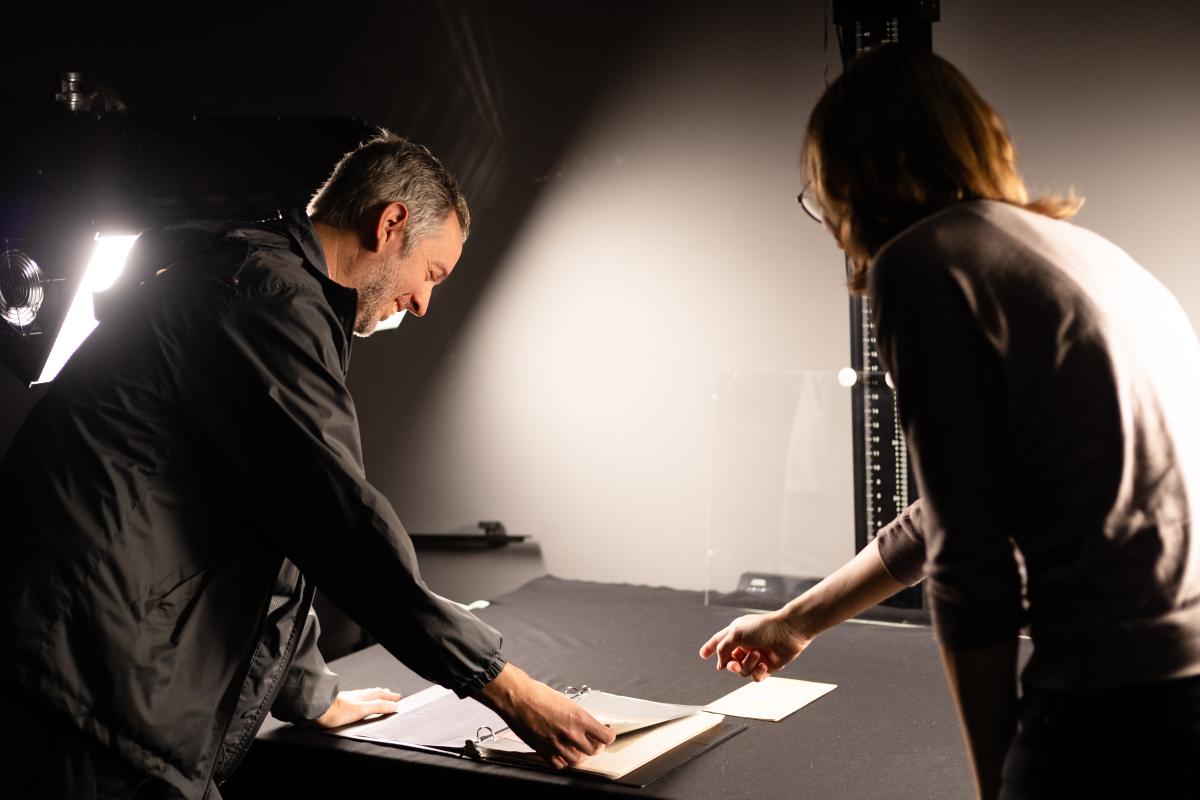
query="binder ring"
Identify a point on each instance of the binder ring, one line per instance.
(572, 692)
(485, 738)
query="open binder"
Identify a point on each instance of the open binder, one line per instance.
(652, 738)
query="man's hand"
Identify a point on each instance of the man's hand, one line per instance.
(756, 645)
(560, 730)
(354, 705)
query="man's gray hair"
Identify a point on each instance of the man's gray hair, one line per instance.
(388, 169)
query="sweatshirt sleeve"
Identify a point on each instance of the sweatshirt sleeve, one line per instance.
(902, 544)
(949, 387)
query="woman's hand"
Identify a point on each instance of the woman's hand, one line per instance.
(756, 645)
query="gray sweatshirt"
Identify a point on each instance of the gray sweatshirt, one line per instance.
(1049, 389)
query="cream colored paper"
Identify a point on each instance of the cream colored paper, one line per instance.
(627, 753)
(773, 698)
(627, 714)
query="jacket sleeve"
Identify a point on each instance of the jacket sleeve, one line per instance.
(949, 388)
(310, 687)
(262, 372)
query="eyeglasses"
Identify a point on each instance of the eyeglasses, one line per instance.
(810, 205)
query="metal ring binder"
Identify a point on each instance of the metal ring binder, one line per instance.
(484, 738)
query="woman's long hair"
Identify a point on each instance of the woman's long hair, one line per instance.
(900, 135)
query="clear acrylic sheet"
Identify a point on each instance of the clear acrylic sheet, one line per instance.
(781, 477)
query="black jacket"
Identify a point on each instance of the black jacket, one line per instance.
(200, 444)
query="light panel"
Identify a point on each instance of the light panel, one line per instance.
(103, 269)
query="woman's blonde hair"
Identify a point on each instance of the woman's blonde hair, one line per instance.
(900, 135)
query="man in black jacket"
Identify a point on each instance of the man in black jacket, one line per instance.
(196, 468)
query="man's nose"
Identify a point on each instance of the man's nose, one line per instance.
(419, 304)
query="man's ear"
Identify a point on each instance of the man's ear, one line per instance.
(390, 227)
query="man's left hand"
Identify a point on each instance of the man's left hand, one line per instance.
(353, 705)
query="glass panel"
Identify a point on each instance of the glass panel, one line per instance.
(781, 502)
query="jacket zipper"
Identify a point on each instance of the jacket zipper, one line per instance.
(243, 744)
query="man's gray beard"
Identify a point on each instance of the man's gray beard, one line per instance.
(372, 298)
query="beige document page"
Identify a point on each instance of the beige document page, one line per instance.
(627, 753)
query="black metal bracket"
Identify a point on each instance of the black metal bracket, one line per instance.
(493, 535)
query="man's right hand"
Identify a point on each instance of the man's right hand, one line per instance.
(560, 730)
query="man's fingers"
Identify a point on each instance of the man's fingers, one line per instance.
(572, 754)
(599, 741)
(750, 661)
(379, 694)
(597, 735)
(760, 672)
(574, 743)
(605, 734)
(589, 738)
(379, 707)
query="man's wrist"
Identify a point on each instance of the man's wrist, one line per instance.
(316, 721)
(500, 692)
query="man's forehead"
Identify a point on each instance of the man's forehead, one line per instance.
(454, 226)
(449, 249)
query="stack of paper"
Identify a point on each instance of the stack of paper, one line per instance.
(645, 730)
(437, 720)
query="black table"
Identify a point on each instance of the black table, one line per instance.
(888, 730)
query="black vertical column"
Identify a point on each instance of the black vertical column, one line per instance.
(883, 480)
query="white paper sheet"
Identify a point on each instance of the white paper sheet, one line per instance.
(773, 698)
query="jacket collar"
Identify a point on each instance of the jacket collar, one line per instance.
(343, 299)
